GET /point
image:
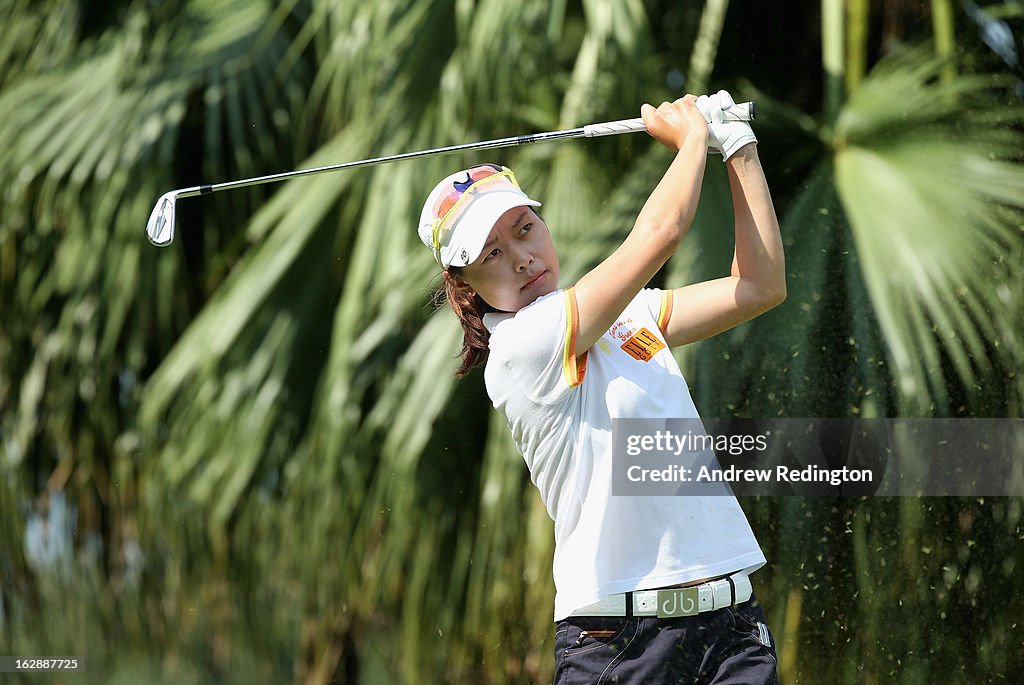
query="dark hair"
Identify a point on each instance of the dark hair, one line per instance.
(470, 308)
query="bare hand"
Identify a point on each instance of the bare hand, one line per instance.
(672, 122)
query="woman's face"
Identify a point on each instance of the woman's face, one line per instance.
(518, 263)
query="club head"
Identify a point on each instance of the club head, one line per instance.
(160, 228)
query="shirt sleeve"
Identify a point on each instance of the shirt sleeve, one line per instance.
(536, 348)
(659, 303)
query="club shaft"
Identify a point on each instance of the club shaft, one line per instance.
(482, 145)
(743, 111)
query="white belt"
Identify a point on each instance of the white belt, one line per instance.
(676, 601)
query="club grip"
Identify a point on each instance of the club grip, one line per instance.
(741, 111)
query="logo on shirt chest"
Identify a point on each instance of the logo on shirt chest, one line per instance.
(621, 330)
(640, 344)
(643, 345)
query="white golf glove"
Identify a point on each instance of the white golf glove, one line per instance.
(724, 137)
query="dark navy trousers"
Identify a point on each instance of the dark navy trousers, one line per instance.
(729, 646)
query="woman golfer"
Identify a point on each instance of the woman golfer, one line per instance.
(650, 589)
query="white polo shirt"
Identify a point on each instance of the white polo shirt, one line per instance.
(560, 413)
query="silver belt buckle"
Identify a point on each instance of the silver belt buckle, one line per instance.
(683, 601)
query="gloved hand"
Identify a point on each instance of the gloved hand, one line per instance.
(724, 137)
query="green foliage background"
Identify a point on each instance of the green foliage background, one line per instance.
(245, 458)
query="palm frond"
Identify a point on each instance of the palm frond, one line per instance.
(929, 173)
(818, 354)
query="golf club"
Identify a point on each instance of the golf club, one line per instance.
(160, 227)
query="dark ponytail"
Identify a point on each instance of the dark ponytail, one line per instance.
(470, 308)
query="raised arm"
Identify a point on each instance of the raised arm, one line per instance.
(605, 291)
(757, 281)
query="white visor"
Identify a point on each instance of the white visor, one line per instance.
(462, 242)
(474, 226)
